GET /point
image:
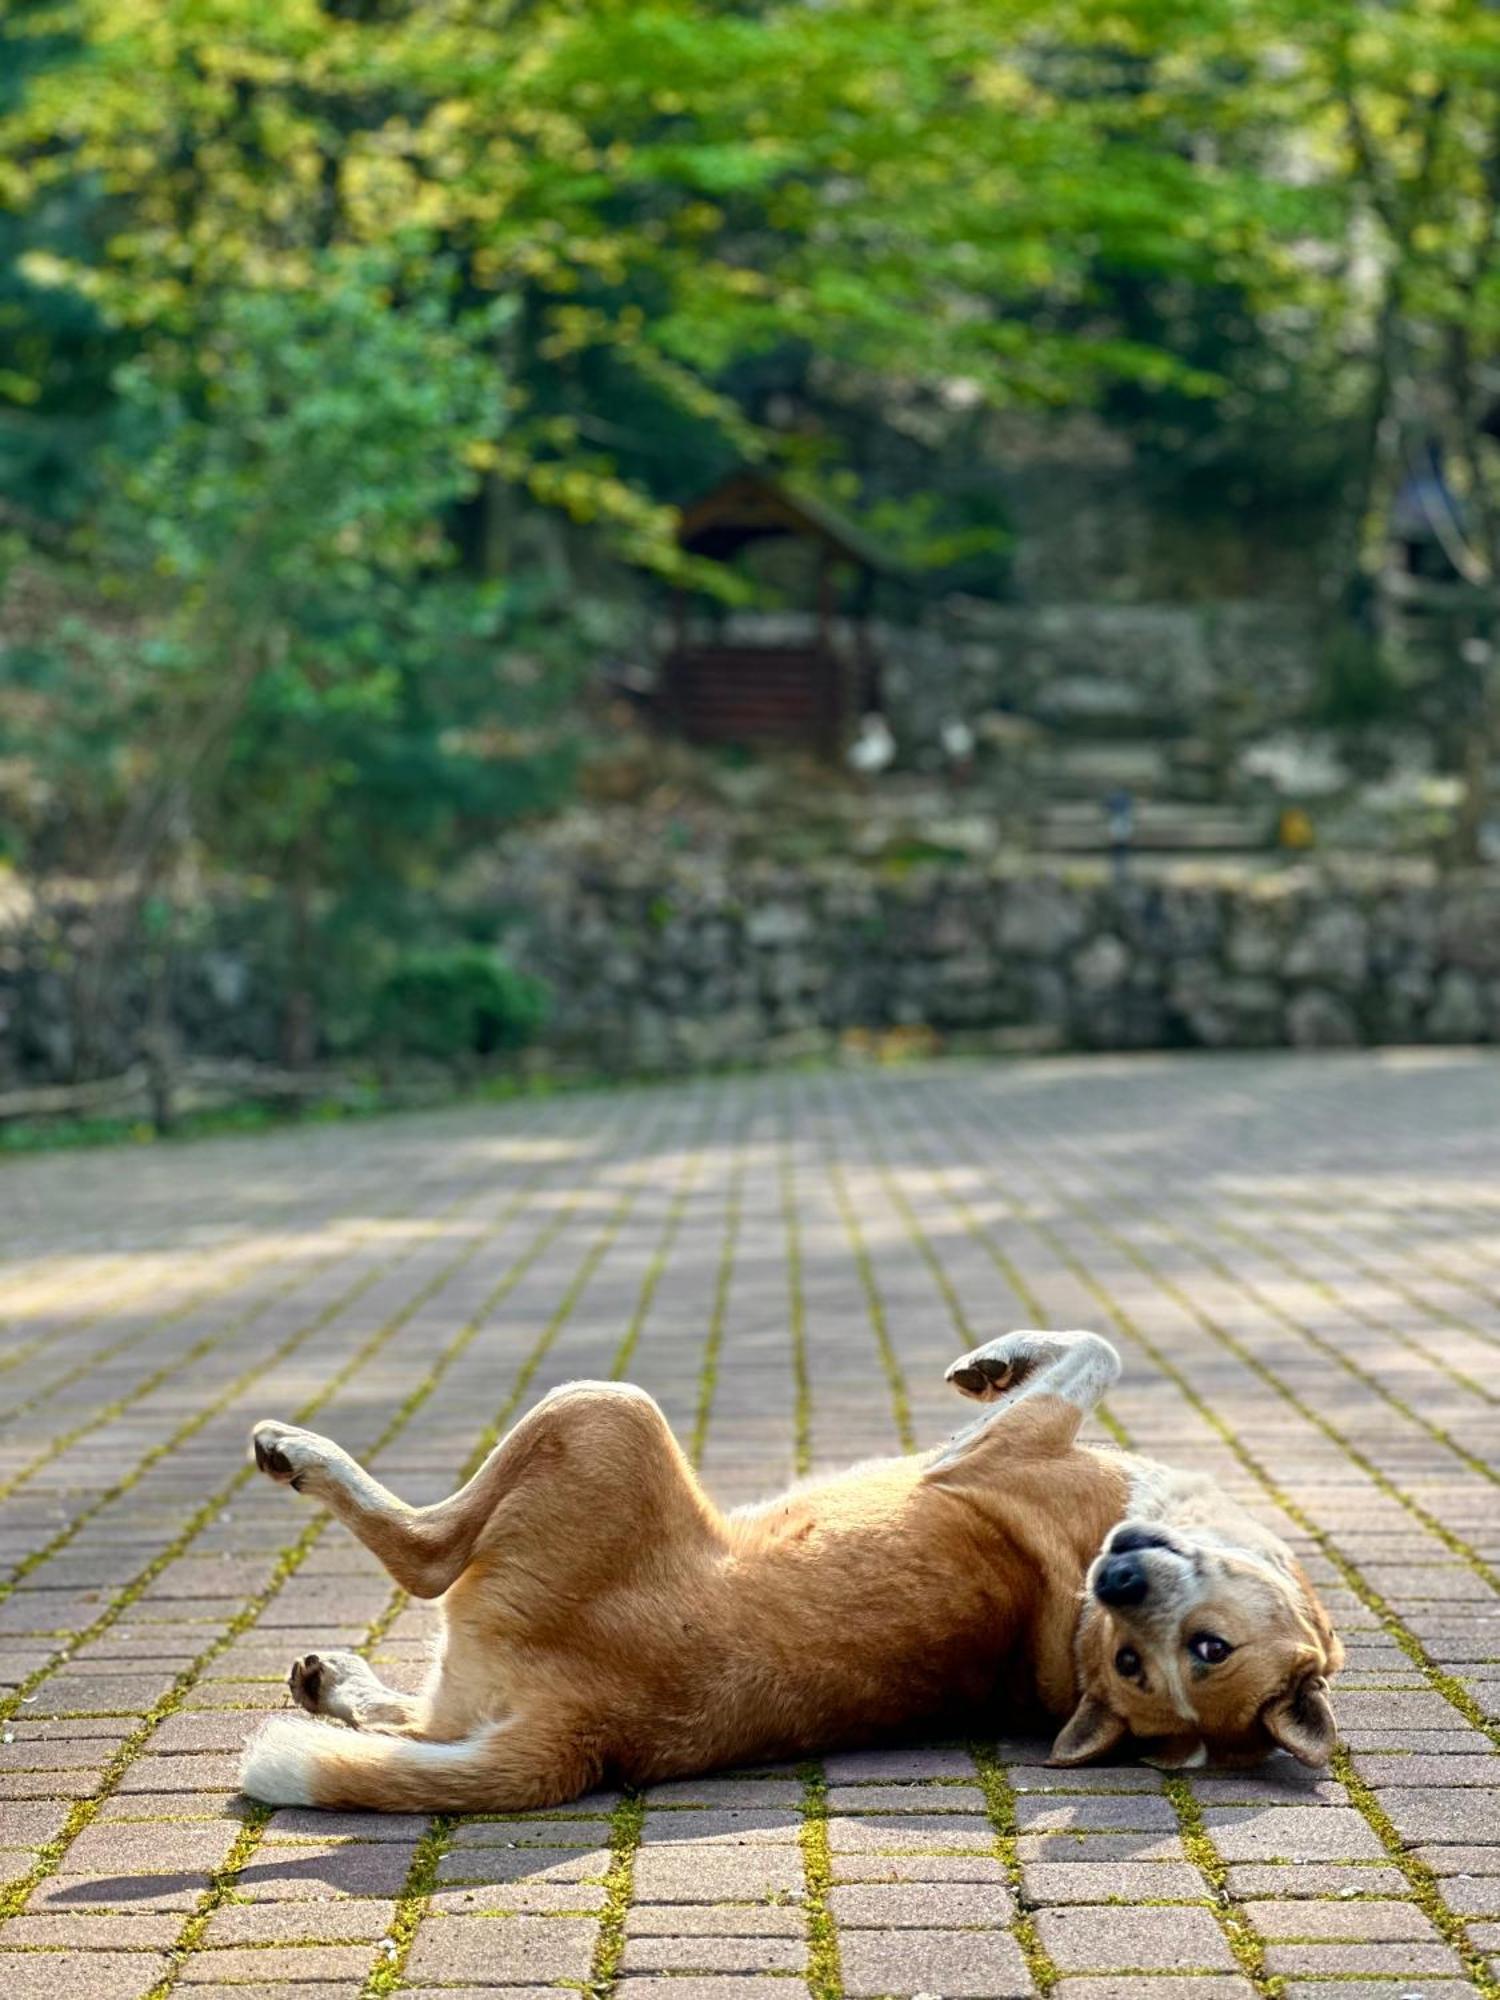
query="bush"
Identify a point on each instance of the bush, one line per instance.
(457, 1004)
(1357, 685)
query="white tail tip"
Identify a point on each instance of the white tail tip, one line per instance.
(279, 1760)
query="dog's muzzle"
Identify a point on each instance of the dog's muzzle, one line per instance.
(1122, 1581)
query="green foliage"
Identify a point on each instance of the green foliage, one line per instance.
(292, 678)
(675, 195)
(457, 1004)
(1358, 684)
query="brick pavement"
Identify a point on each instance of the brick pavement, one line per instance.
(1300, 1259)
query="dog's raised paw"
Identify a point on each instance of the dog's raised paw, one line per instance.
(284, 1453)
(982, 1375)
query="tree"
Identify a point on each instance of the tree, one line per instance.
(300, 685)
(913, 195)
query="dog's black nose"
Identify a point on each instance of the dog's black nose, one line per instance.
(1128, 1541)
(1122, 1581)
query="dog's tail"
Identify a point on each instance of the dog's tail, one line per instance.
(505, 1768)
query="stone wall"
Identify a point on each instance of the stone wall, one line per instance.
(665, 968)
(670, 962)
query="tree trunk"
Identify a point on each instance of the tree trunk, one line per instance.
(299, 1020)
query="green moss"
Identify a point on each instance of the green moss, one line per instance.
(629, 1340)
(411, 1907)
(825, 1977)
(713, 1345)
(875, 1307)
(1240, 1934)
(1426, 1891)
(796, 1304)
(1000, 1805)
(625, 1827)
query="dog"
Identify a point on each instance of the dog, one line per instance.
(602, 1619)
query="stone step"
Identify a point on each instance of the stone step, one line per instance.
(1162, 826)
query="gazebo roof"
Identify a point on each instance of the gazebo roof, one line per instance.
(751, 507)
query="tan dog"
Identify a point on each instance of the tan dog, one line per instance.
(602, 1619)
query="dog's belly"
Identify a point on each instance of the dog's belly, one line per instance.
(786, 1658)
(750, 1709)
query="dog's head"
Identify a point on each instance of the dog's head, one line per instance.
(1200, 1647)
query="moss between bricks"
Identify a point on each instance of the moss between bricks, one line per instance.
(713, 1340)
(825, 1976)
(1000, 1805)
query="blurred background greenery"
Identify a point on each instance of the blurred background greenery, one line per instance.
(358, 358)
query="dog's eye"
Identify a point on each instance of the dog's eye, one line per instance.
(1209, 1648)
(1128, 1662)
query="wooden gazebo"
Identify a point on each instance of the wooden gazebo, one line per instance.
(805, 690)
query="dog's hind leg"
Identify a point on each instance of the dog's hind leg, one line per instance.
(511, 1766)
(1055, 1379)
(596, 1454)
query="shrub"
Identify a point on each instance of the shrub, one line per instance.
(457, 1004)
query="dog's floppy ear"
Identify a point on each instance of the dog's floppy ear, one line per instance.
(1301, 1720)
(1090, 1731)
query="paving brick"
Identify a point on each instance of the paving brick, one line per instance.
(1084, 1882)
(501, 1951)
(353, 1868)
(680, 1986)
(303, 1824)
(1128, 1813)
(1473, 1895)
(328, 1920)
(1360, 1921)
(772, 1827)
(1385, 1958)
(1250, 1879)
(957, 1964)
(1453, 1818)
(96, 1930)
(159, 1849)
(747, 1793)
(293, 1964)
(141, 1893)
(921, 1905)
(1127, 1939)
(1471, 1860)
(49, 1975)
(523, 1864)
(1136, 1986)
(880, 1832)
(1100, 1848)
(1399, 1988)
(973, 1867)
(898, 1767)
(716, 1874)
(1292, 1833)
(732, 1952)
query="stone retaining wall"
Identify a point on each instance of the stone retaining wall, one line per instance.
(669, 963)
(690, 965)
